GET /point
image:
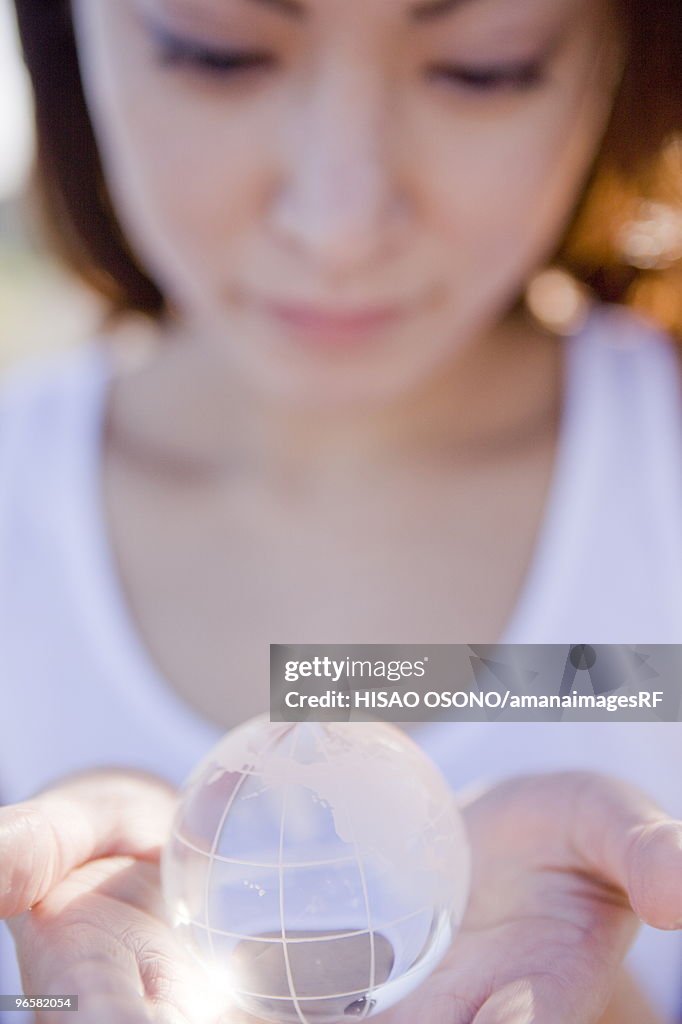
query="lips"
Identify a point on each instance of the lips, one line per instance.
(334, 324)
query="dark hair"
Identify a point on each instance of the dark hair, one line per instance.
(81, 224)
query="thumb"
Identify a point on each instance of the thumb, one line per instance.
(103, 812)
(527, 1001)
(624, 836)
(531, 1000)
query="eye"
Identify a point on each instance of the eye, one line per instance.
(177, 51)
(493, 78)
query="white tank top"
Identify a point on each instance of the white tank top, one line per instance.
(78, 688)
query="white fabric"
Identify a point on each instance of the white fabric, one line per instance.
(77, 687)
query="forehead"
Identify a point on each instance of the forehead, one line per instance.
(414, 11)
(418, 10)
(508, 24)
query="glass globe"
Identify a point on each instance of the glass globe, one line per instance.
(321, 867)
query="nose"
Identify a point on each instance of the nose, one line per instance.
(339, 199)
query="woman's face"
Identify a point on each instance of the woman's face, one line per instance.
(338, 195)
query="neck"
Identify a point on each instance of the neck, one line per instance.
(493, 388)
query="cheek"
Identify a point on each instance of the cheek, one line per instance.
(186, 171)
(189, 193)
(502, 189)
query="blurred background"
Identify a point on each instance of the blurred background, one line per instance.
(40, 307)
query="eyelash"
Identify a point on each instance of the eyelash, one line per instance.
(517, 77)
(176, 52)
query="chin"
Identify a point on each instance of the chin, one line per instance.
(282, 367)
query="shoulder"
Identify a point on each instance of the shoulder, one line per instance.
(36, 388)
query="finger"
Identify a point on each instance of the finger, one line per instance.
(621, 834)
(177, 988)
(533, 1001)
(106, 981)
(536, 1001)
(514, 1004)
(180, 992)
(94, 933)
(81, 818)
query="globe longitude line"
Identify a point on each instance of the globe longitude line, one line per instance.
(285, 951)
(363, 882)
(218, 832)
(212, 860)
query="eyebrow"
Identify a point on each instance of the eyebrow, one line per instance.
(433, 9)
(429, 11)
(291, 7)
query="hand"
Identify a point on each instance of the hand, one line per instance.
(84, 856)
(558, 863)
(563, 867)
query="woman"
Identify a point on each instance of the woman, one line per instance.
(345, 425)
